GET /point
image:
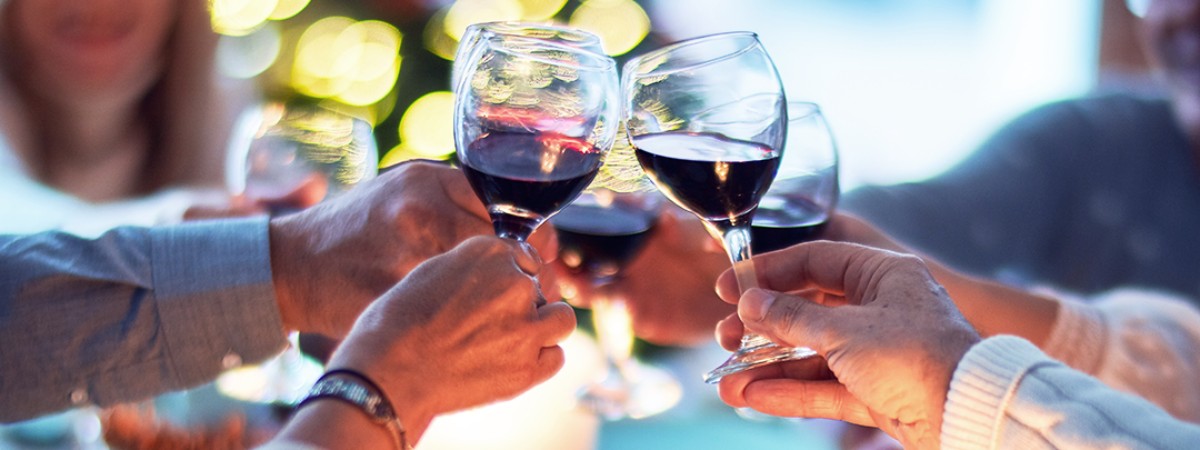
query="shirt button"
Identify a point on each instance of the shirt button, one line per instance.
(79, 396)
(231, 360)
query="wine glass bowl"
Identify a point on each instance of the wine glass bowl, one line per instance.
(708, 117)
(799, 203)
(533, 122)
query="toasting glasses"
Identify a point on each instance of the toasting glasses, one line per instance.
(599, 235)
(533, 120)
(708, 118)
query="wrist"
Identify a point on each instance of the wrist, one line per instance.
(402, 389)
(282, 244)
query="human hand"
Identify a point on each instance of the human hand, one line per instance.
(889, 337)
(466, 328)
(668, 285)
(330, 261)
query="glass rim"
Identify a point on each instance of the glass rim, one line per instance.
(589, 60)
(691, 42)
(583, 35)
(805, 109)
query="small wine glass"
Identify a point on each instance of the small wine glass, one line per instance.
(532, 124)
(707, 117)
(287, 158)
(805, 192)
(477, 32)
(599, 235)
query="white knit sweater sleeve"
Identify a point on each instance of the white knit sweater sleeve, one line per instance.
(1008, 394)
(1137, 341)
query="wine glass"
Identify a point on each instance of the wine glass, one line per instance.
(532, 124)
(287, 158)
(805, 192)
(477, 32)
(599, 234)
(707, 117)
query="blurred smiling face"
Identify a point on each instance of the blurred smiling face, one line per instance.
(89, 48)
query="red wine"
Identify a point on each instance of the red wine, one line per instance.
(713, 176)
(598, 241)
(785, 223)
(526, 177)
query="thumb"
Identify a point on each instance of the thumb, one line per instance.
(784, 319)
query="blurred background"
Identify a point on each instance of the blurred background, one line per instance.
(910, 86)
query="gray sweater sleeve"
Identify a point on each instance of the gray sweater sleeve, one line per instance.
(132, 313)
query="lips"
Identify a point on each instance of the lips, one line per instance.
(94, 28)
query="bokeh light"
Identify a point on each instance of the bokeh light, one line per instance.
(250, 55)
(621, 24)
(286, 9)
(540, 10)
(240, 17)
(426, 130)
(463, 13)
(352, 62)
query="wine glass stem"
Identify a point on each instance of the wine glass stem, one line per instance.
(737, 245)
(614, 330)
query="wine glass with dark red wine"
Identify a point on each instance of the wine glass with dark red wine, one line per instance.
(533, 121)
(599, 235)
(284, 158)
(805, 192)
(708, 117)
(477, 32)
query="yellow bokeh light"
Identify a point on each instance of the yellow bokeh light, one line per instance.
(371, 90)
(621, 24)
(239, 17)
(286, 9)
(539, 10)
(427, 127)
(437, 41)
(355, 63)
(463, 13)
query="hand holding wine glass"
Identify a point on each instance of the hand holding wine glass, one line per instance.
(708, 118)
(533, 122)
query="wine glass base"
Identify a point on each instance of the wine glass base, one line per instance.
(747, 358)
(641, 392)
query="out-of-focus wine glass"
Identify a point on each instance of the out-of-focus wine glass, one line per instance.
(532, 124)
(286, 158)
(708, 118)
(599, 234)
(805, 192)
(476, 32)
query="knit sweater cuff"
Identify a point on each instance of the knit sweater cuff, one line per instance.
(983, 383)
(1079, 336)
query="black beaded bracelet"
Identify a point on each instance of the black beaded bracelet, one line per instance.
(356, 389)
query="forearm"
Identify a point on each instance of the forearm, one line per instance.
(129, 315)
(996, 309)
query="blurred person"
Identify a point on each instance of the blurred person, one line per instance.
(111, 112)
(141, 311)
(896, 354)
(1083, 195)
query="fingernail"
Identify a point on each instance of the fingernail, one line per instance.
(531, 252)
(755, 303)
